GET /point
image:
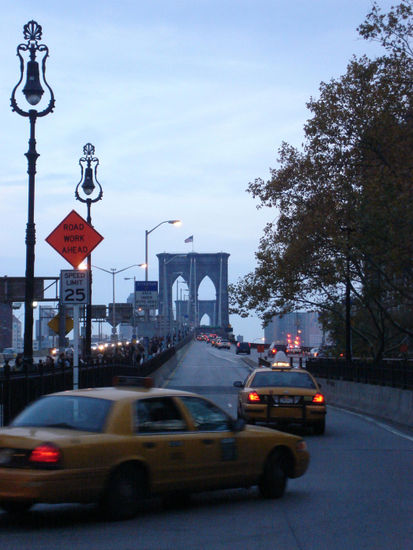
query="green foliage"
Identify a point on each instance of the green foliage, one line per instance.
(347, 194)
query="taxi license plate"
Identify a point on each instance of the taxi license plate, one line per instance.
(286, 400)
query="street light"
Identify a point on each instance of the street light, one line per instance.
(33, 92)
(134, 303)
(114, 272)
(147, 233)
(87, 186)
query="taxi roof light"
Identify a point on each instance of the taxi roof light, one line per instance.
(282, 364)
(133, 381)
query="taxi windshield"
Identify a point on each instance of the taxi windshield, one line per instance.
(285, 379)
(65, 411)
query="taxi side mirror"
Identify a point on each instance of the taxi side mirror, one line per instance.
(238, 384)
(237, 425)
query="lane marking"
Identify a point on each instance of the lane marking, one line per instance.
(386, 427)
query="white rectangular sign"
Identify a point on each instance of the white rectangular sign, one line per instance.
(146, 294)
(74, 286)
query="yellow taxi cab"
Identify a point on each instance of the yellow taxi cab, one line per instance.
(118, 445)
(282, 395)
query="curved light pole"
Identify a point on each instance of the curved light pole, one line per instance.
(32, 92)
(114, 272)
(147, 233)
(87, 186)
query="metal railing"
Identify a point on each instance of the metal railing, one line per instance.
(396, 373)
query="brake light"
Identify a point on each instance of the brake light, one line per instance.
(273, 351)
(47, 453)
(253, 397)
(318, 398)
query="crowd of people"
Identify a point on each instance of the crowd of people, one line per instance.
(135, 353)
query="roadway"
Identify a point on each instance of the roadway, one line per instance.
(357, 493)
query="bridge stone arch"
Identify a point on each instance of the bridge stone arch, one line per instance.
(193, 268)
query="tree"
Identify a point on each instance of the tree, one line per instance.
(346, 199)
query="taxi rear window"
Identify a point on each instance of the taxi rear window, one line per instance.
(66, 411)
(285, 379)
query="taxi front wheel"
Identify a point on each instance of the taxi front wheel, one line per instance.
(124, 493)
(274, 478)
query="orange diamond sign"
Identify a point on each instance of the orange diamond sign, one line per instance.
(74, 239)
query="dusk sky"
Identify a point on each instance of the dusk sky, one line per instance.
(185, 101)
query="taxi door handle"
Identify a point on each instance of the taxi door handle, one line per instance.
(208, 441)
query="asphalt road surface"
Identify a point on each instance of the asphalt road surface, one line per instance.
(356, 495)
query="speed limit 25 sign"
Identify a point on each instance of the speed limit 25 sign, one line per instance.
(74, 286)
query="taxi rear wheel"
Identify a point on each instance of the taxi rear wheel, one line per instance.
(124, 493)
(319, 427)
(274, 478)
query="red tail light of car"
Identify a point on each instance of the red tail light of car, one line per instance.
(318, 398)
(253, 397)
(46, 455)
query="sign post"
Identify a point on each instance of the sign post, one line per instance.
(76, 348)
(74, 291)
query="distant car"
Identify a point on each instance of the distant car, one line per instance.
(273, 348)
(282, 396)
(118, 445)
(243, 347)
(223, 344)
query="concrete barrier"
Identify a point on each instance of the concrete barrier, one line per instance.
(393, 404)
(161, 375)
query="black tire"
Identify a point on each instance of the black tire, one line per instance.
(274, 478)
(319, 427)
(12, 507)
(124, 493)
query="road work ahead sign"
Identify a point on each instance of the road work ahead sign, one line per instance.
(74, 239)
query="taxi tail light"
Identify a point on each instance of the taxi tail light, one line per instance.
(301, 446)
(46, 454)
(253, 397)
(318, 398)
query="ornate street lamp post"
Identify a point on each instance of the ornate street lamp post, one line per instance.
(88, 172)
(33, 92)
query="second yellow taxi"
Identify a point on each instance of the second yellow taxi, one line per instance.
(282, 395)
